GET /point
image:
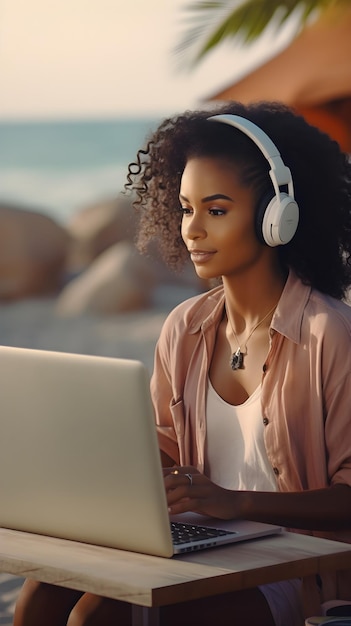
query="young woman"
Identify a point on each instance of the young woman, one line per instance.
(252, 379)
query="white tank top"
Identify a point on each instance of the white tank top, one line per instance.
(235, 455)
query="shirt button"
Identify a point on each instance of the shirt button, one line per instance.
(265, 421)
(276, 471)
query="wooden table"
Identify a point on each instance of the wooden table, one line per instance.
(150, 582)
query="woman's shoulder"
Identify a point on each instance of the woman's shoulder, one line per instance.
(328, 325)
(317, 309)
(330, 311)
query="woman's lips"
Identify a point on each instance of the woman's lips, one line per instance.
(201, 256)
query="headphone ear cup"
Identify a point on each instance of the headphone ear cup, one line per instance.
(280, 220)
(260, 213)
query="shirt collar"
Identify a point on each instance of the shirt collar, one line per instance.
(287, 319)
(209, 312)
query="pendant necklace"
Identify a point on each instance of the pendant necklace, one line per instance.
(237, 359)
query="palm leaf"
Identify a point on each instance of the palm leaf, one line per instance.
(209, 23)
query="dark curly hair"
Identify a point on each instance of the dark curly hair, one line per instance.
(320, 251)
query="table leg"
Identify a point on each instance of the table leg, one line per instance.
(145, 616)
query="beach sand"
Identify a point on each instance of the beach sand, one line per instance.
(9, 588)
(34, 324)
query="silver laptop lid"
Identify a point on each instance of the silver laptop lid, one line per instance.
(68, 426)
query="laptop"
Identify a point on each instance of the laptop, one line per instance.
(79, 457)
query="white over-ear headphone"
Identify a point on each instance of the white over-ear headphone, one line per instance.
(278, 217)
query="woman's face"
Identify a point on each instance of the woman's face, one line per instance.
(218, 219)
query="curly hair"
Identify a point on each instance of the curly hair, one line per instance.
(320, 251)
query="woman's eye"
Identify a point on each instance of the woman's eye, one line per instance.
(185, 210)
(216, 211)
(212, 210)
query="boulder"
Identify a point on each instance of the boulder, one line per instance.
(96, 227)
(119, 280)
(33, 250)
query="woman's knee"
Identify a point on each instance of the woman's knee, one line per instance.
(92, 610)
(39, 604)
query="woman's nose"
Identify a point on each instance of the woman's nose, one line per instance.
(192, 228)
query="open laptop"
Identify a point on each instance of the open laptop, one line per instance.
(79, 457)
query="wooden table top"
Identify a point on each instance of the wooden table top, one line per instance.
(153, 581)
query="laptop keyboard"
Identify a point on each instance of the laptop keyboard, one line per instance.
(183, 533)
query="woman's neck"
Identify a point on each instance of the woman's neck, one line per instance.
(249, 298)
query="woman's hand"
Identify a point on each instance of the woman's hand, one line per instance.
(327, 509)
(188, 490)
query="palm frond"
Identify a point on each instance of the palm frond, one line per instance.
(209, 23)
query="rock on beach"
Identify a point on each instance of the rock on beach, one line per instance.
(33, 250)
(90, 265)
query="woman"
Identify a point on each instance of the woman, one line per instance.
(251, 379)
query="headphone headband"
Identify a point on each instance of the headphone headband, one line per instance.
(279, 220)
(279, 173)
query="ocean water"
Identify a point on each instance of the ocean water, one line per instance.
(58, 167)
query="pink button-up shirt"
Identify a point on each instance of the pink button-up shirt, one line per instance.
(306, 391)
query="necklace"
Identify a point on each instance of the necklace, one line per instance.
(237, 359)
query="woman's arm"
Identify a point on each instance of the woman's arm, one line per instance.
(320, 509)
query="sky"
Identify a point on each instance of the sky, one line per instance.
(108, 58)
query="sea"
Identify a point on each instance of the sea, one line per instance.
(60, 166)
